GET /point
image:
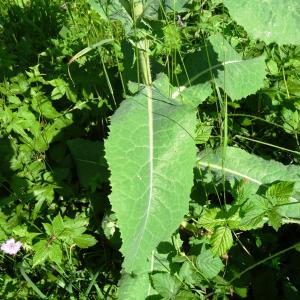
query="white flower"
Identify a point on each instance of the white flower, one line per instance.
(11, 247)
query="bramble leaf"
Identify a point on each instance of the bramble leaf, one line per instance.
(274, 218)
(253, 212)
(166, 285)
(221, 240)
(279, 193)
(209, 219)
(208, 264)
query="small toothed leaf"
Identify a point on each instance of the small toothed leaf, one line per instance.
(221, 240)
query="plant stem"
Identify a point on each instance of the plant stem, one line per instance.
(263, 261)
(31, 284)
(267, 144)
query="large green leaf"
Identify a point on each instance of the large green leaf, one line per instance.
(151, 153)
(113, 10)
(269, 20)
(254, 170)
(132, 287)
(175, 5)
(237, 77)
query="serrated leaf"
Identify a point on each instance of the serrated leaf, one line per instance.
(253, 212)
(166, 285)
(291, 120)
(271, 21)
(58, 92)
(55, 253)
(279, 193)
(238, 78)
(209, 219)
(221, 240)
(203, 132)
(84, 241)
(48, 228)
(43, 106)
(186, 295)
(189, 274)
(57, 225)
(41, 252)
(275, 219)
(78, 222)
(150, 140)
(208, 264)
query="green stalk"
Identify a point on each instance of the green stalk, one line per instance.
(31, 284)
(266, 144)
(263, 261)
(142, 47)
(144, 61)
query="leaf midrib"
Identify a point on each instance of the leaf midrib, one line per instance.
(231, 171)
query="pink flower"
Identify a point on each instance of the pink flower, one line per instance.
(11, 247)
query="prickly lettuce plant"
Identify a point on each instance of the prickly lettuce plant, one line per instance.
(151, 150)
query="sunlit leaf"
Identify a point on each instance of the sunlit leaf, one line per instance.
(149, 195)
(269, 20)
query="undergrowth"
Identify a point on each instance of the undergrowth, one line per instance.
(96, 97)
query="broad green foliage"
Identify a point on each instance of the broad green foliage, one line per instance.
(176, 5)
(269, 20)
(76, 76)
(254, 170)
(112, 10)
(237, 77)
(149, 195)
(68, 231)
(134, 287)
(279, 200)
(194, 95)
